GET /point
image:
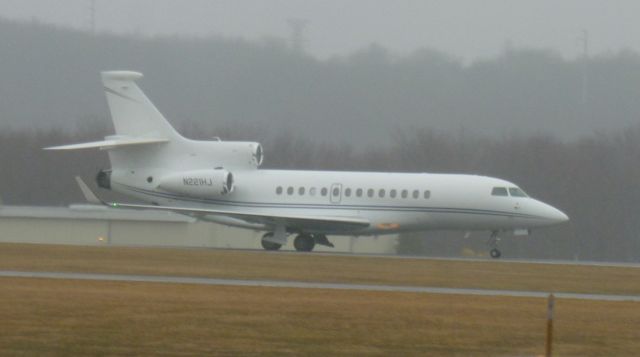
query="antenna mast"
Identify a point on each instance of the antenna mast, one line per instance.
(92, 16)
(297, 33)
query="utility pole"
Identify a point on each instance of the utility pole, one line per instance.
(585, 68)
(297, 26)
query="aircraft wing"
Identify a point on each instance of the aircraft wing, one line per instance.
(302, 222)
(330, 223)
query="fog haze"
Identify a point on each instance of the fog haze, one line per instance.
(466, 29)
(494, 88)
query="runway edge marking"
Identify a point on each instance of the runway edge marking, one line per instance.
(309, 285)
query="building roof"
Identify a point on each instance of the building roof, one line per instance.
(94, 212)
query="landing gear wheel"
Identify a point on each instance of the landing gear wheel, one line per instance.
(304, 243)
(495, 253)
(269, 245)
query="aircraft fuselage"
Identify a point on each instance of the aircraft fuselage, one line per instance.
(392, 202)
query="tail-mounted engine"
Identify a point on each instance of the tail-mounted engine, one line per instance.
(199, 183)
(232, 154)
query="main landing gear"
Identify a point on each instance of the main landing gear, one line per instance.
(269, 245)
(304, 242)
(493, 243)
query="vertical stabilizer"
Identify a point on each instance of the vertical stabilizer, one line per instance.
(133, 114)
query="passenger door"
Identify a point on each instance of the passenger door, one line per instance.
(335, 193)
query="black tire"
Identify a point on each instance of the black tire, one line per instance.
(304, 243)
(269, 245)
(495, 253)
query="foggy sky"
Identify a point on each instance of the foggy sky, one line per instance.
(466, 29)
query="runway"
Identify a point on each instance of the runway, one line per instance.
(415, 257)
(308, 285)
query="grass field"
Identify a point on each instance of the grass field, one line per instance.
(66, 317)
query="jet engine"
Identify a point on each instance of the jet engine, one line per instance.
(229, 153)
(199, 183)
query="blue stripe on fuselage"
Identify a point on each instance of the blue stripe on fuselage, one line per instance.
(326, 206)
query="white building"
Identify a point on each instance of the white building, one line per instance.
(100, 225)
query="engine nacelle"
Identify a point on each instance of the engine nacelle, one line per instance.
(230, 153)
(199, 183)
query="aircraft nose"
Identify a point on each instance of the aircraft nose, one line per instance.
(555, 215)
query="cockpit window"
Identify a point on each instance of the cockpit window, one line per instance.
(499, 191)
(516, 192)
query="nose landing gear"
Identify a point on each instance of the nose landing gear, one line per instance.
(493, 243)
(495, 253)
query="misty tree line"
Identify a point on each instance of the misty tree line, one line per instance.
(49, 78)
(594, 179)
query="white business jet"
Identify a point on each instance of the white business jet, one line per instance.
(221, 182)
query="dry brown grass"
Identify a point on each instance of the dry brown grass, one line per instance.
(319, 268)
(63, 317)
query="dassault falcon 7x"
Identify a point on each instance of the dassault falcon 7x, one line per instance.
(221, 182)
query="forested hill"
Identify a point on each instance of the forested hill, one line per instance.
(49, 78)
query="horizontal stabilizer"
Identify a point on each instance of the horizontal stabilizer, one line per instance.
(110, 144)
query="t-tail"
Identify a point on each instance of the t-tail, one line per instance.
(135, 119)
(146, 150)
(133, 114)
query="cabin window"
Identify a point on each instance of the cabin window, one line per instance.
(324, 191)
(370, 192)
(516, 192)
(289, 190)
(347, 192)
(301, 191)
(427, 194)
(393, 193)
(279, 190)
(312, 191)
(404, 193)
(416, 194)
(381, 193)
(499, 191)
(359, 192)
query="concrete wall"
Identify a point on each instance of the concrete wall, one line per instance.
(52, 231)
